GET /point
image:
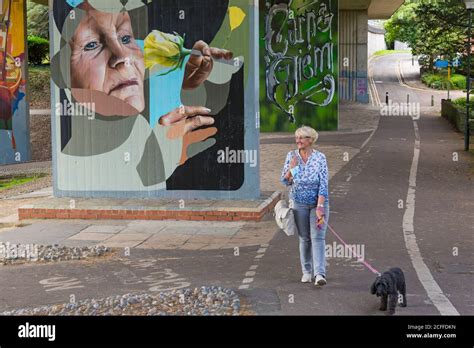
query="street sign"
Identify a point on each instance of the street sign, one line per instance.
(441, 63)
(456, 62)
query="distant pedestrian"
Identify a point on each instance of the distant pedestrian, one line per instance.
(306, 171)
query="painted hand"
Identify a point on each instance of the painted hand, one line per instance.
(183, 122)
(199, 67)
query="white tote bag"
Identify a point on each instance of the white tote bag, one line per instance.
(285, 219)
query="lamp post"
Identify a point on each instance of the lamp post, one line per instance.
(469, 7)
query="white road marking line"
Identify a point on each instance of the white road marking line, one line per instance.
(434, 292)
(368, 139)
(349, 178)
(372, 83)
(250, 274)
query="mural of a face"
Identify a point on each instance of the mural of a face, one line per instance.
(105, 58)
(172, 87)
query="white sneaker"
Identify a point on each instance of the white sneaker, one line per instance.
(306, 278)
(320, 280)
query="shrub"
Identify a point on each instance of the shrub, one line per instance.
(460, 104)
(38, 50)
(440, 80)
(458, 81)
(37, 19)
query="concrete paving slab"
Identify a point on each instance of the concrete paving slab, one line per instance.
(168, 239)
(122, 244)
(91, 236)
(104, 229)
(142, 226)
(120, 237)
(40, 233)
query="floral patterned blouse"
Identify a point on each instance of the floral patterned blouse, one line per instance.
(310, 180)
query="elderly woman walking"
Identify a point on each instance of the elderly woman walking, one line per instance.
(306, 171)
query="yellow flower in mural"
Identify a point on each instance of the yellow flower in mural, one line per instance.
(236, 16)
(165, 50)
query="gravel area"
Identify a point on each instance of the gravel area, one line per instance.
(20, 253)
(25, 168)
(206, 301)
(40, 183)
(40, 137)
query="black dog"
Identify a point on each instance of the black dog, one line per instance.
(390, 284)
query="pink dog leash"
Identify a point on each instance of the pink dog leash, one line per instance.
(359, 258)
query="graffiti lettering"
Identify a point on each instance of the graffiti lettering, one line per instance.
(299, 59)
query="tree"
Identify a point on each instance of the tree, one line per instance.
(401, 26)
(38, 19)
(431, 28)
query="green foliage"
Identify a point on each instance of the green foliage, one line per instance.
(439, 80)
(385, 52)
(458, 81)
(401, 25)
(431, 28)
(461, 103)
(16, 181)
(38, 19)
(38, 50)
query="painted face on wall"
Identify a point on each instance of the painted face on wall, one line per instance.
(106, 58)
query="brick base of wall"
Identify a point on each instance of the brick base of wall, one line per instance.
(221, 213)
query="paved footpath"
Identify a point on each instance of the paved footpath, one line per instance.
(408, 208)
(165, 255)
(401, 197)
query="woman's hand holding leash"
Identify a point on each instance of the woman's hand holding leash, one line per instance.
(320, 217)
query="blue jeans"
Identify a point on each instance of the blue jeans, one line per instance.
(312, 240)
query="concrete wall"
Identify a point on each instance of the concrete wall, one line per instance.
(141, 138)
(401, 45)
(376, 42)
(353, 27)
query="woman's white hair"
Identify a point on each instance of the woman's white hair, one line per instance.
(306, 131)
